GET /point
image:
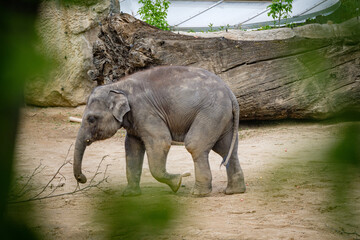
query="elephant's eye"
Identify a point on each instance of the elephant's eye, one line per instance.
(92, 119)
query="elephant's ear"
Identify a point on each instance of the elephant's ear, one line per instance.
(119, 104)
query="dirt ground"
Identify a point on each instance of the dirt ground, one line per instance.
(289, 185)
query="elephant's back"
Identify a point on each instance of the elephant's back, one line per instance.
(167, 76)
(170, 81)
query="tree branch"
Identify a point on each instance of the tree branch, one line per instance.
(57, 172)
(38, 196)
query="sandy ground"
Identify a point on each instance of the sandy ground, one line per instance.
(289, 185)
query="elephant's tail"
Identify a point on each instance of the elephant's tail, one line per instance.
(236, 116)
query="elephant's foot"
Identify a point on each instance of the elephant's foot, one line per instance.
(176, 181)
(131, 191)
(236, 186)
(201, 191)
(234, 190)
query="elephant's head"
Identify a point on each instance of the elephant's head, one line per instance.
(103, 116)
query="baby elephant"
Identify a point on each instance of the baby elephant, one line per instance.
(161, 105)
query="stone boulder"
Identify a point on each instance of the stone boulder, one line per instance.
(67, 34)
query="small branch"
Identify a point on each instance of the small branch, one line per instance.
(61, 183)
(77, 186)
(97, 170)
(57, 172)
(22, 192)
(342, 231)
(62, 176)
(62, 194)
(67, 154)
(106, 170)
(57, 186)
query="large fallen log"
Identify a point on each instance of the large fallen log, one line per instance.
(297, 78)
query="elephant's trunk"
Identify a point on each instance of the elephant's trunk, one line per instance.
(80, 147)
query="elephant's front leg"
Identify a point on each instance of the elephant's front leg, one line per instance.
(135, 150)
(157, 151)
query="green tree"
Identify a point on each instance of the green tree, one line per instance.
(280, 9)
(154, 12)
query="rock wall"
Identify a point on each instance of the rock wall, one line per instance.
(67, 33)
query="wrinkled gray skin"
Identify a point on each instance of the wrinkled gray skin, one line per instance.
(156, 107)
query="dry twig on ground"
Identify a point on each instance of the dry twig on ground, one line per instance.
(40, 195)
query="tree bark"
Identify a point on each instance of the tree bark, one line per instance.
(296, 78)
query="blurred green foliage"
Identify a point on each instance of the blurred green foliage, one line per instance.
(345, 156)
(343, 168)
(323, 178)
(142, 217)
(347, 10)
(19, 62)
(336, 172)
(344, 159)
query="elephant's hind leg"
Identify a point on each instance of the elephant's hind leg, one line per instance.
(234, 172)
(203, 176)
(198, 141)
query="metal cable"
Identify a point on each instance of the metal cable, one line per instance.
(310, 8)
(214, 5)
